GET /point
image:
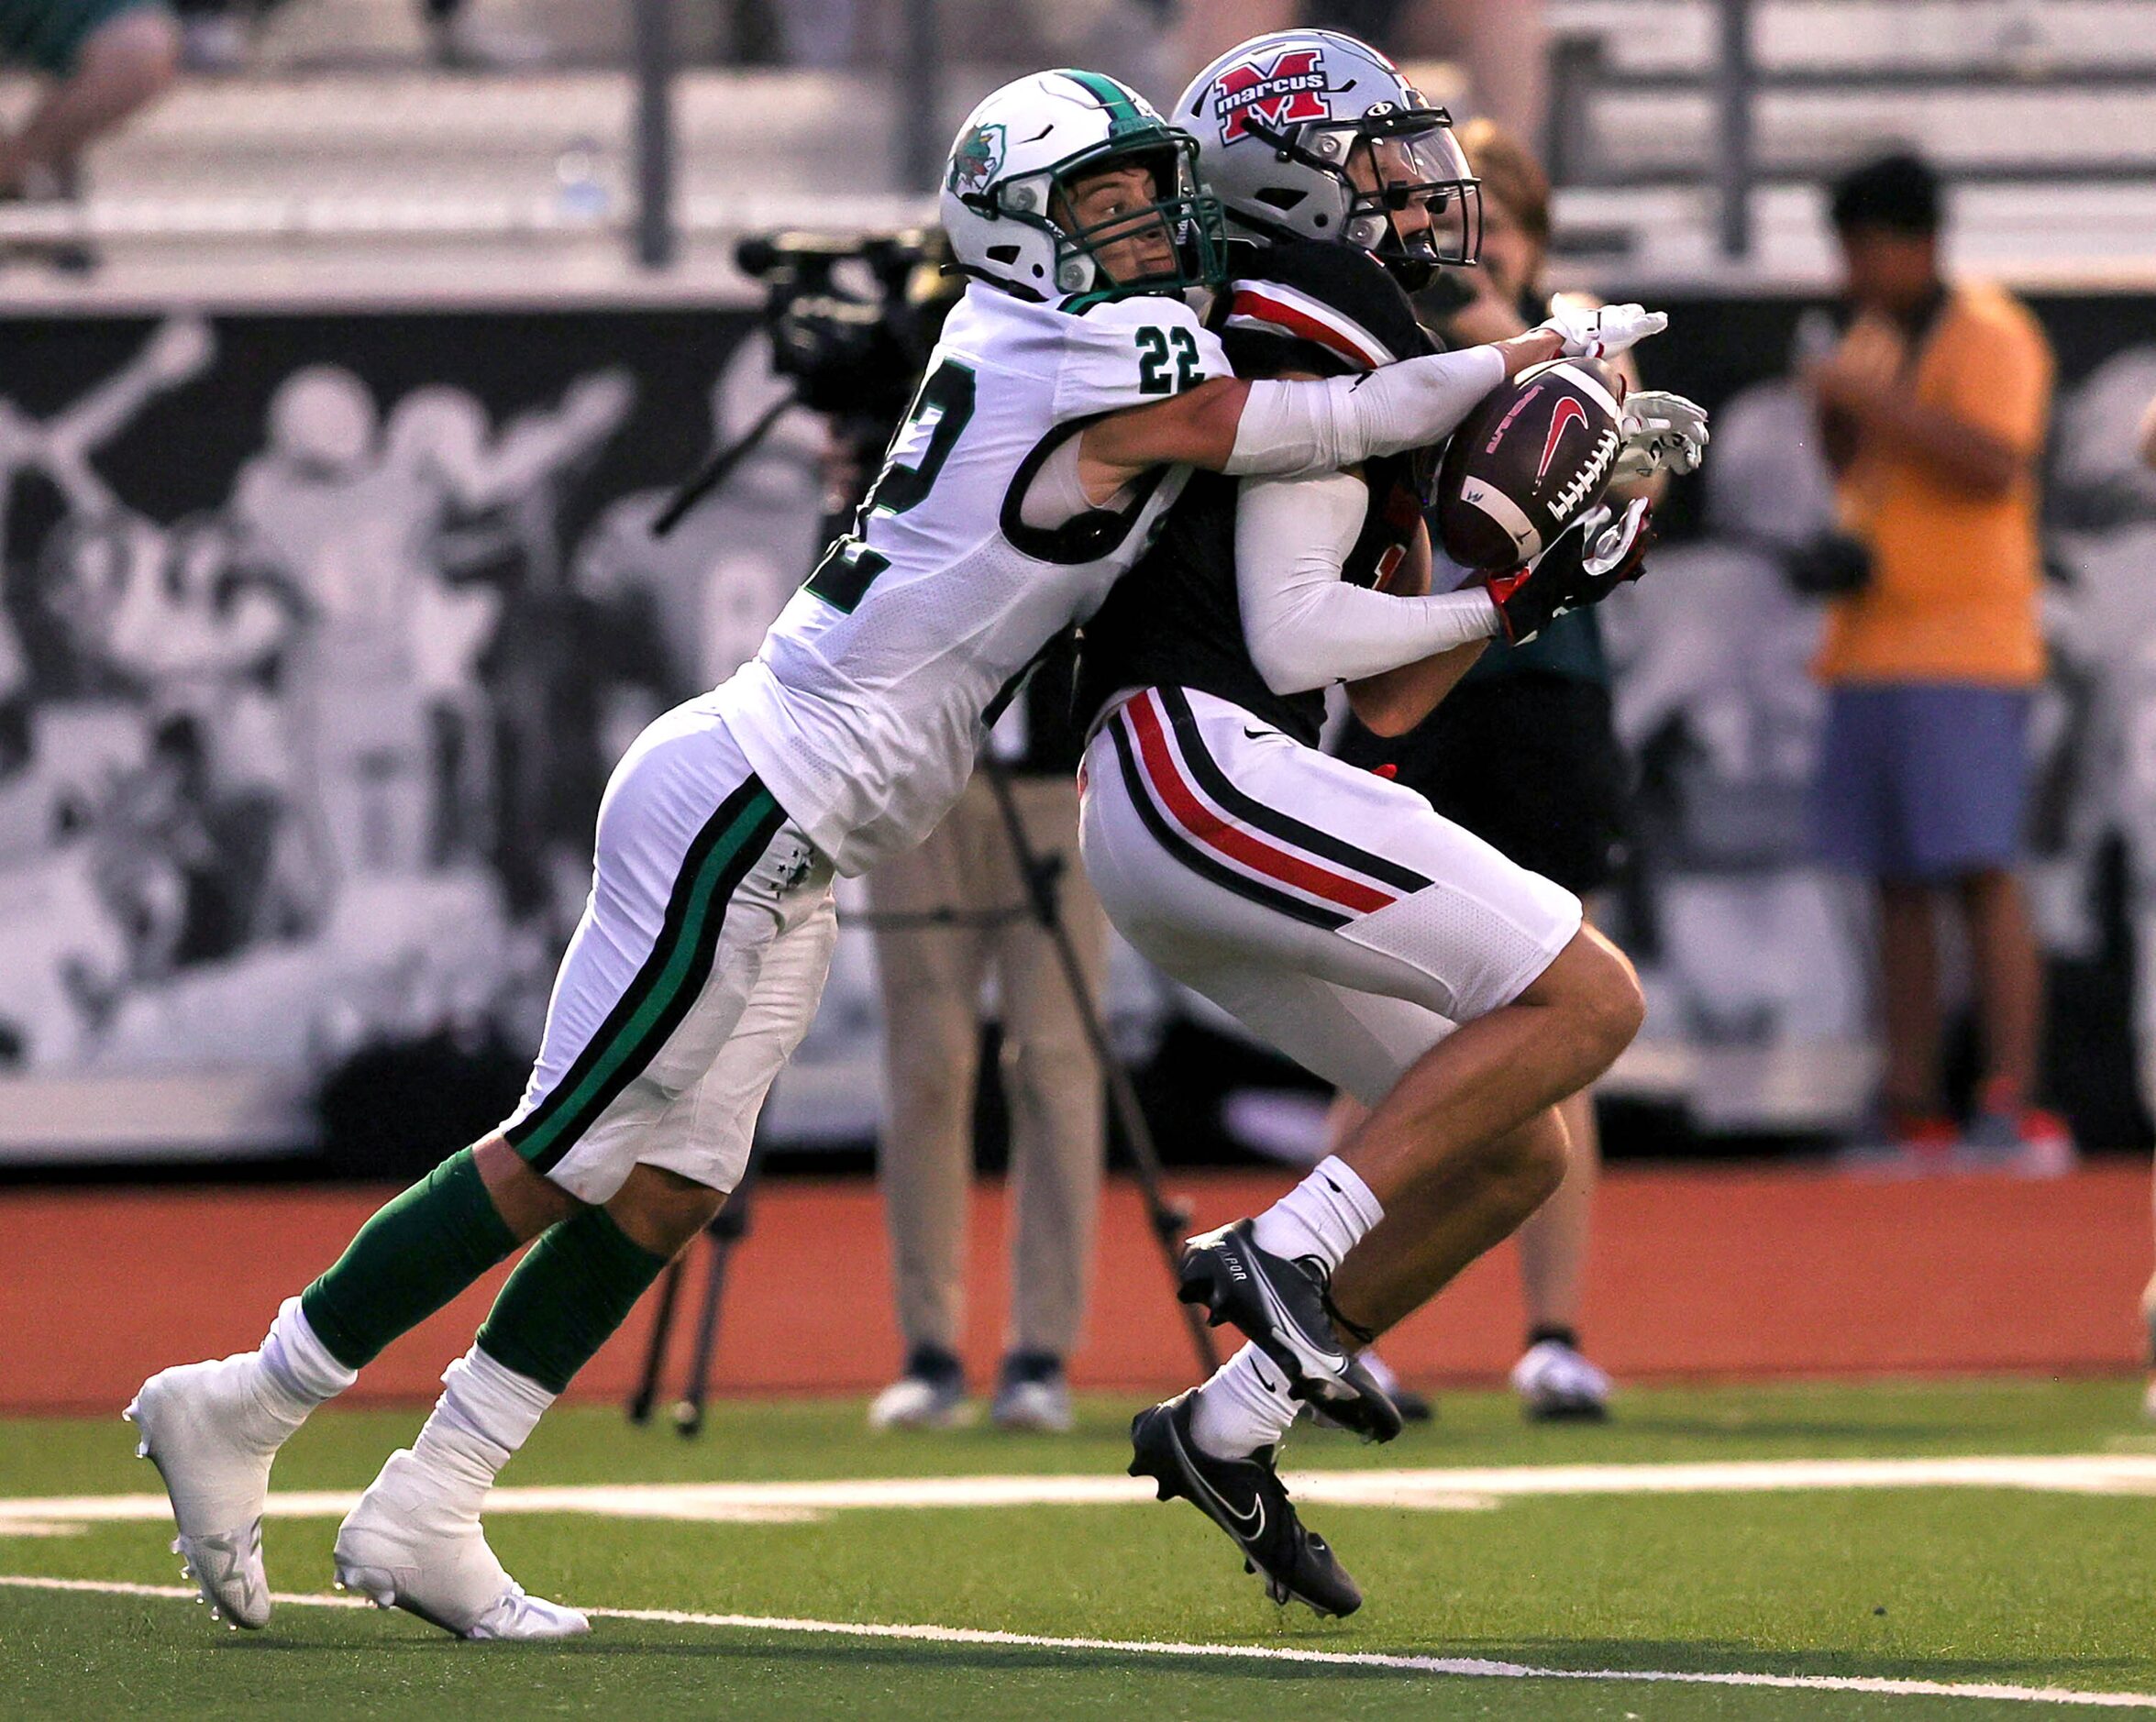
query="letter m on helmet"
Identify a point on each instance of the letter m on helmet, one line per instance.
(1288, 90)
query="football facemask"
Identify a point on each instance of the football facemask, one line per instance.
(1172, 241)
(1389, 161)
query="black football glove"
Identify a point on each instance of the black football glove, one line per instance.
(1583, 565)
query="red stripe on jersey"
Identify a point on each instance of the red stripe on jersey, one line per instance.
(1231, 839)
(1249, 301)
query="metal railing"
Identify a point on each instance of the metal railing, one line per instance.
(1738, 83)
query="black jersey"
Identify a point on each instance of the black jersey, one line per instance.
(1173, 620)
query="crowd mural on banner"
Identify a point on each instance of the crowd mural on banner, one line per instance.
(305, 770)
(309, 763)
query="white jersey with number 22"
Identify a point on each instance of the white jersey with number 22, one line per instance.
(865, 707)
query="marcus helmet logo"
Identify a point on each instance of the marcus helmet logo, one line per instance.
(1568, 413)
(1289, 90)
(976, 162)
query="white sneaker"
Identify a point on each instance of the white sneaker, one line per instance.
(1041, 1406)
(922, 1402)
(411, 1544)
(1554, 1383)
(205, 1429)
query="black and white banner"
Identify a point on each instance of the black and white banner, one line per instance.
(318, 636)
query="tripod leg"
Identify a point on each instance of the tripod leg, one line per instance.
(728, 1227)
(654, 1355)
(1168, 1219)
(689, 1408)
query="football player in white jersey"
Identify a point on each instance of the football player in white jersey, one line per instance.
(1332, 913)
(1071, 392)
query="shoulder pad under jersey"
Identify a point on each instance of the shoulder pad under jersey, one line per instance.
(1306, 305)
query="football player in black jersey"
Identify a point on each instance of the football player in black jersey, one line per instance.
(1525, 754)
(1330, 910)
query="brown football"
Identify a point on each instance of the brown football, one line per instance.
(1528, 461)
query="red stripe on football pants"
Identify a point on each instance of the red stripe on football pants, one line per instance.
(1234, 841)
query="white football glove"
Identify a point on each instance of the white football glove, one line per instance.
(1660, 431)
(1597, 331)
(1583, 565)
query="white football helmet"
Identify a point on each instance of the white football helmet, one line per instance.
(1277, 120)
(1005, 199)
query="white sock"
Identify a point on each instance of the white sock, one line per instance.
(1325, 1216)
(486, 1412)
(1243, 1406)
(297, 1371)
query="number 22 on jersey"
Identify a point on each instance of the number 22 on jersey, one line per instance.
(918, 451)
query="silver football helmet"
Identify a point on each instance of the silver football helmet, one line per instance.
(1289, 122)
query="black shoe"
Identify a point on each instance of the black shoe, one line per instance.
(1280, 1304)
(1414, 1408)
(1244, 1499)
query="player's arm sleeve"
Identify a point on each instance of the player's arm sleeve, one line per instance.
(1290, 429)
(1133, 352)
(1305, 627)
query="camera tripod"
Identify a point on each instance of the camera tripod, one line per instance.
(1167, 1218)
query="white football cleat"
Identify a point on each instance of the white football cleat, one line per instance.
(205, 1429)
(1555, 1383)
(409, 1544)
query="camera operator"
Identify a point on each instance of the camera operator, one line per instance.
(853, 321)
(930, 976)
(950, 912)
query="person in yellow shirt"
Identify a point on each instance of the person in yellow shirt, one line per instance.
(1933, 408)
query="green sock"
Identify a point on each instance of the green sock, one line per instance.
(574, 1287)
(415, 1254)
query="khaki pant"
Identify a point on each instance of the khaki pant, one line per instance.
(931, 980)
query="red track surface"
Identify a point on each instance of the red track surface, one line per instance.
(1729, 1273)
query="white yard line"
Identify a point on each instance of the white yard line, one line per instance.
(1468, 1667)
(1423, 1490)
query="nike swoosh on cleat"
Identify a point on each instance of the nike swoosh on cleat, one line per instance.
(1335, 1361)
(1242, 1525)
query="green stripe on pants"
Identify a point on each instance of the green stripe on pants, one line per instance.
(662, 992)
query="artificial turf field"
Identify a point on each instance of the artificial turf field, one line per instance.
(2031, 1588)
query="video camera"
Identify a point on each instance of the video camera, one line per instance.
(852, 340)
(855, 348)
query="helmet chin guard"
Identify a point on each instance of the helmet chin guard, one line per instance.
(1281, 120)
(1011, 192)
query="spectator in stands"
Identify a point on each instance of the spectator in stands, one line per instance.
(1933, 409)
(104, 59)
(930, 977)
(1524, 754)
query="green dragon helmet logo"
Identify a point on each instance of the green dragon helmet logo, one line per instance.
(977, 160)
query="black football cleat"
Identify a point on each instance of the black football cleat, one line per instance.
(1280, 1304)
(1246, 1499)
